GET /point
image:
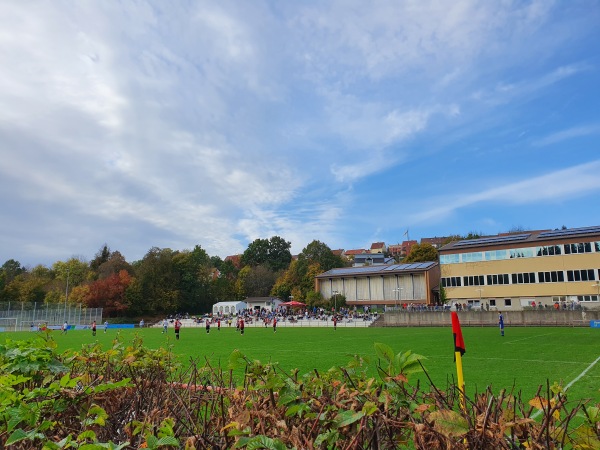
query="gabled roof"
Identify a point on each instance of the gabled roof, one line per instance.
(236, 260)
(357, 251)
(376, 245)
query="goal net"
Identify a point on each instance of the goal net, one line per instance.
(9, 324)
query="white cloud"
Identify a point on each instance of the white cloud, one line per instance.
(568, 134)
(548, 188)
(214, 123)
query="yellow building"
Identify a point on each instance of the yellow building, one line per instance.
(527, 269)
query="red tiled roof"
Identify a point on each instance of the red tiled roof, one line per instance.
(358, 251)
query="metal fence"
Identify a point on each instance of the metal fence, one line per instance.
(19, 316)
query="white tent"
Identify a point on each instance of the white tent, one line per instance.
(229, 307)
(268, 303)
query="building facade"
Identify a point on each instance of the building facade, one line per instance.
(533, 269)
(382, 285)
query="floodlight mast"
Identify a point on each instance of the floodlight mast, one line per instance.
(67, 294)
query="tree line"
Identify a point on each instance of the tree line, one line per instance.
(167, 281)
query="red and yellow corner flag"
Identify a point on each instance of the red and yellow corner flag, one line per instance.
(459, 350)
(459, 343)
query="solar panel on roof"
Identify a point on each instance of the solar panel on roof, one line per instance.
(492, 240)
(570, 232)
(367, 270)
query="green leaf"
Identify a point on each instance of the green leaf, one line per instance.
(167, 441)
(346, 418)
(236, 360)
(384, 351)
(369, 408)
(593, 412)
(88, 434)
(20, 435)
(260, 442)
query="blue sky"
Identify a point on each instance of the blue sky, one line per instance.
(175, 124)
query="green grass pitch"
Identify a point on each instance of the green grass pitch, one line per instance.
(524, 358)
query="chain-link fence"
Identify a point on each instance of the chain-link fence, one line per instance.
(20, 316)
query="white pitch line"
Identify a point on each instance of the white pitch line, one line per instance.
(530, 337)
(582, 374)
(571, 383)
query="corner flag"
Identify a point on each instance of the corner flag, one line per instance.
(459, 350)
(459, 343)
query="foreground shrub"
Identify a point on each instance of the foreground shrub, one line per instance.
(133, 397)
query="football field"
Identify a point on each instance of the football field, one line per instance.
(523, 358)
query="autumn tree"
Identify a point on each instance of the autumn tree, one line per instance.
(71, 273)
(26, 287)
(421, 253)
(193, 269)
(314, 259)
(109, 293)
(113, 264)
(320, 253)
(8, 272)
(274, 252)
(158, 281)
(100, 257)
(258, 281)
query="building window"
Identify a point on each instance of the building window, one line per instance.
(451, 282)
(474, 280)
(493, 302)
(581, 275)
(587, 298)
(582, 247)
(551, 277)
(507, 302)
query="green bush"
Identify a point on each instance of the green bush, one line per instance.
(130, 396)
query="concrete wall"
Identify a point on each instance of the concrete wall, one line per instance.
(566, 318)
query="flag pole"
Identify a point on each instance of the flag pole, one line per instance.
(461, 379)
(459, 350)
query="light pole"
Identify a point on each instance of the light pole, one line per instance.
(335, 294)
(598, 286)
(398, 292)
(67, 294)
(480, 290)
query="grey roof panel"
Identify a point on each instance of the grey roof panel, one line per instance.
(491, 240)
(570, 232)
(377, 269)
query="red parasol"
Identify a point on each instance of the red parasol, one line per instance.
(293, 304)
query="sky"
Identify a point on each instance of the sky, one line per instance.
(141, 124)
